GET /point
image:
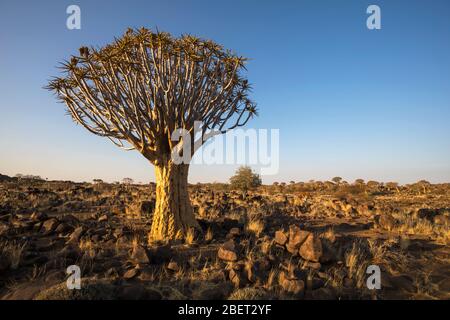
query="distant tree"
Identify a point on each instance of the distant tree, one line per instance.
(373, 185)
(393, 186)
(337, 180)
(127, 181)
(423, 185)
(359, 182)
(98, 181)
(245, 179)
(32, 177)
(329, 185)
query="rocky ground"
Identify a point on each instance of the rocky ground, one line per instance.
(266, 244)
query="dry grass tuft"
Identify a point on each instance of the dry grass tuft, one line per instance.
(190, 236)
(209, 234)
(255, 226)
(12, 251)
(356, 262)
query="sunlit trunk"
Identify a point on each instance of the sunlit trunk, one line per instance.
(173, 215)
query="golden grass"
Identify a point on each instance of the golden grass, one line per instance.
(356, 262)
(411, 225)
(255, 226)
(88, 247)
(209, 234)
(13, 251)
(190, 236)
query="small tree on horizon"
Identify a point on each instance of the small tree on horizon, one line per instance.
(245, 179)
(127, 181)
(337, 180)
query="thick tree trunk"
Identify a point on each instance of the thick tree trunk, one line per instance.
(173, 215)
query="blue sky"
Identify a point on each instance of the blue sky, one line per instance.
(348, 101)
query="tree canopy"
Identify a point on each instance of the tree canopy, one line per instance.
(245, 179)
(137, 90)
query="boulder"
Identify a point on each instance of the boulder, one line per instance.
(228, 251)
(173, 266)
(76, 235)
(160, 253)
(238, 278)
(293, 286)
(50, 225)
(297, 236)
(213, 292)
(103, 218)
(131, 292)
(311, 249)
(130, 274)
(38, 216)
(234, 232)
(5, 263)
(296, 239)
(139, 255)
(280, 238)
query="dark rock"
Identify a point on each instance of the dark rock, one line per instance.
(131, 292)
(5, 263)
(70, 253)
(293, 286)
(216, 292)
(103, 218)
(311, 249)
(38, 216)
(234, 232)
(151, 294)
(63, 228)
(228, 251)
(296, 239)
(329, 252)
(130, 274)
(76, 235)
(139, 255)
(238, 278)
(323, 294)
(50, 225)
(173, 266)
(160, 253)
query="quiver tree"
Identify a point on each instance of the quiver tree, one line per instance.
(142, 87)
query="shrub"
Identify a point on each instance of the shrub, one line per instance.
(245, 179)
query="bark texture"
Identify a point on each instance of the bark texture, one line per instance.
(173, 215)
